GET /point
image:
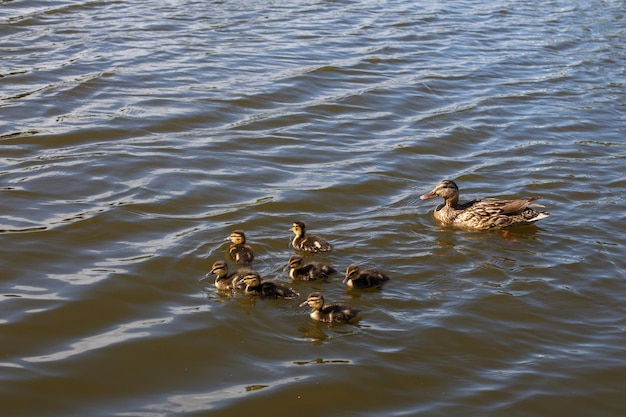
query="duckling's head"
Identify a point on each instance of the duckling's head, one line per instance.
(315, 300)
(295, 261)
(447, 189)
(298, 228)
(251, 279)
(238, 237)
(219, 268)
(352, 271)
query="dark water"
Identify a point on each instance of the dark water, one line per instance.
(134, 136)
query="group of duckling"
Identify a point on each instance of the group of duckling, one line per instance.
(251, 283)
(478, 214)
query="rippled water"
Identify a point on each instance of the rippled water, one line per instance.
(136, 135)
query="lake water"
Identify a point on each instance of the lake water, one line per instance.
(135, 136)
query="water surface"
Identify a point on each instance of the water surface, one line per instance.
(135, 136)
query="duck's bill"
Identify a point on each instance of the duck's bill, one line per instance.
(428, 196)
(304, 303)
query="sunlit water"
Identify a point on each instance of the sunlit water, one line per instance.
(134, 136)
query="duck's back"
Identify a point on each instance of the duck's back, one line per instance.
(491, 213)
(337, 313)
(369, 278)
(273, 290)
(313, 271)
(241, 254)
(312, 243)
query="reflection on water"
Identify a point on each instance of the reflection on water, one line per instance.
(121, 334)
(200, 402)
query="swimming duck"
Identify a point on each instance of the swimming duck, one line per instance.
(482, 214)
(308, 243)
(240, 252)
(255, 286)
(333, 313)
(309, 272)
(224, 280)
(367, 278)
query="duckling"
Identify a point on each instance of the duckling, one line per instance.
(367, 278)
(308, 243)
(224, 280)
(333, 313)
(309, 272)
(240, 252)
(256, 286)
(482, 214)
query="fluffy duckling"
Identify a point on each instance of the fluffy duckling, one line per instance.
(482, 214)
(308, 243)
(224, 280)
(333, 313)
(239, 251)
(309, 272)
(367, 278)
(256, 286)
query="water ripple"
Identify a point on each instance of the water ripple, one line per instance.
(134, 139)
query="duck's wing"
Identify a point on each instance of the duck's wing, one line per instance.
(491, 213)
(516, 206)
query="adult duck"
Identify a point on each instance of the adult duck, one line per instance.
(482, 214)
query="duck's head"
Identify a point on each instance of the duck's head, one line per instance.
(251, 279)
(237, 237)
(219, 268)
(298, 228)
(447, 189)
(352, 271)
(295, 261)
(315, 300)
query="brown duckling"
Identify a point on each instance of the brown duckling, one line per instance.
(309, 272)
(482, 214)
(256, 286)
(308, 243)
(367, 278)
(224, 280)
(333, 313)
(239, 251)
